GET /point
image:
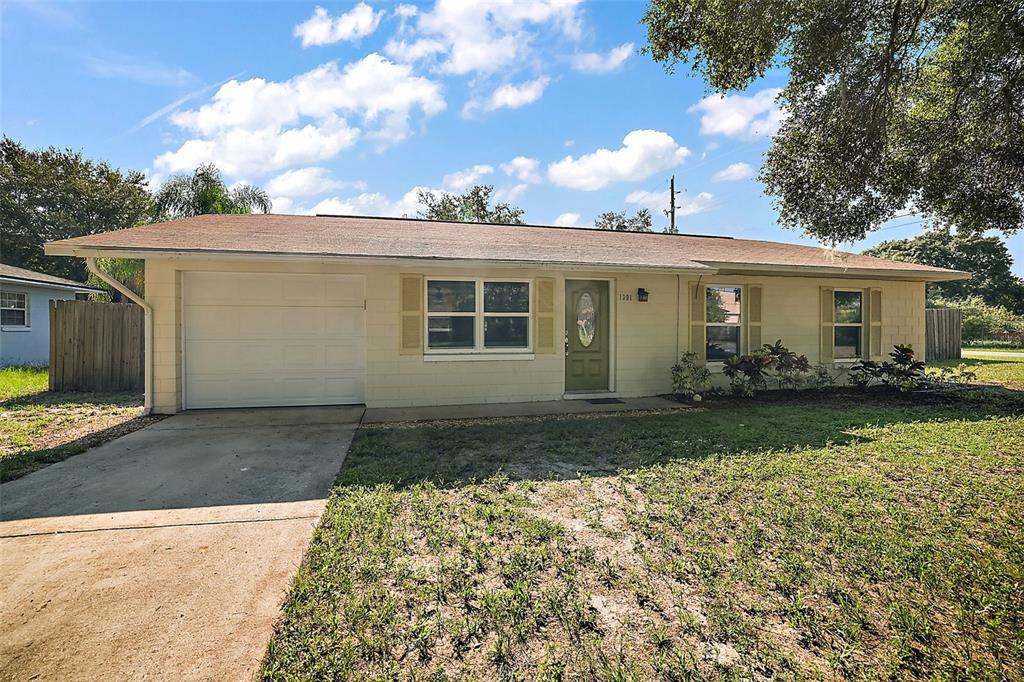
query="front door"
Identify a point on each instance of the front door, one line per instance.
(586, 335)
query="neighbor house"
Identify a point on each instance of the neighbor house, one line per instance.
(266, 310)
(25, 297)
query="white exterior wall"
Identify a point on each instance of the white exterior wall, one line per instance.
(648, 337)
(30, 345)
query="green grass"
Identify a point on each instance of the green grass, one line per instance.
(830, 538)
(991, 369)
(21, 381)
(38, 427)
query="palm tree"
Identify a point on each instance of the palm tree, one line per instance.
(203, 192)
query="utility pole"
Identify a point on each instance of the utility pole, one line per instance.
(671, 212)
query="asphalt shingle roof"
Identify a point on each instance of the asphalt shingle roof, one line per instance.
(368, 237)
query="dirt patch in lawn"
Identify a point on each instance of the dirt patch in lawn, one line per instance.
(44, 428)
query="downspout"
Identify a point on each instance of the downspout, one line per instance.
(147, 402)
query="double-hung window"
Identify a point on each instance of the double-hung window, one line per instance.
(13, 309)
(723, 322)
(849, 324)
(477, 315)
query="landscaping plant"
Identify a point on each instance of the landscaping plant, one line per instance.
(690, 378)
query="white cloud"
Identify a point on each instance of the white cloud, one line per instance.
(257, 125)
(523, 168)
(514, 96)
(595, 62)
(567, 220)
(117, 65)
(322, 29)
(462, 180)
(307, 182)
(643, 153)
(372, 203)
(509, 96)
(282, 205)
(657, 202)
(740, 116)
(733, 172)
(510, 193)
(240, 151)
(482, 37)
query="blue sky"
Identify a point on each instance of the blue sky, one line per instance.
(348, 108)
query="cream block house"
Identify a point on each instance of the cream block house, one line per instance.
(268, 310)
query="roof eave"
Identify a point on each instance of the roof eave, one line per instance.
(725, 268)
(49, 285)
(70, 249)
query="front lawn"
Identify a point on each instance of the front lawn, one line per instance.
(38, 427)
(991, 369)
(813, 539)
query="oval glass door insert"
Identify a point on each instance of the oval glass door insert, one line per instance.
(586, 319)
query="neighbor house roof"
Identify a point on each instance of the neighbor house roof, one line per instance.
(405, 238)
(9, 273)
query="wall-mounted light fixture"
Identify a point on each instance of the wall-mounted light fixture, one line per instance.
(642, 295)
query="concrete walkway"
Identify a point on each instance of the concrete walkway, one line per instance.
(536, 409)
(1009, 355)
(165, 554)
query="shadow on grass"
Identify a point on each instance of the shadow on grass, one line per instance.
(453, 453)
(46, 404)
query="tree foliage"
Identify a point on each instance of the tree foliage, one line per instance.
(57, 194)
(986, 257)
(891, 103)
(474, 206)
(204, 192)
(620, 222)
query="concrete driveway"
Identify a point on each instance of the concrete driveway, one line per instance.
(165, 554)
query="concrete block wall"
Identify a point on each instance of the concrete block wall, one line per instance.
(648, 336)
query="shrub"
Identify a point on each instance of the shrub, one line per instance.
(748, 373)
(689, 378)
(959, 375)
(821, 378)
(864, 373)
(982, 321)
(902, 372)
(790, 369)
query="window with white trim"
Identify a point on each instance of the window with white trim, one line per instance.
(13, 309)
(849, 324)
(723, 321)
(477, 315)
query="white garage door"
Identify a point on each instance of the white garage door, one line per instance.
(254, 340)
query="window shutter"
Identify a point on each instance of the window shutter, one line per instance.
(698, 318)
(828, 315)
(752, 320)
(873, 324)
(544, 315)
(411, 315)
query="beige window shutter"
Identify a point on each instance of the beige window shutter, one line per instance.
(411, 315)
(873, 324)
(698, 318)
(752, 320)
(828, 320)
(544, 315)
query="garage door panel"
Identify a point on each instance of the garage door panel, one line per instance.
(273, 339)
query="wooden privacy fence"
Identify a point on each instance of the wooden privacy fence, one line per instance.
(942, 327)
(96, 346)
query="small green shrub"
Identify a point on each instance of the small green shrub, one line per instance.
(790, 370)
(960, 375)
(748, 373)
(690, 378)
(902, 372)
(821, 378)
